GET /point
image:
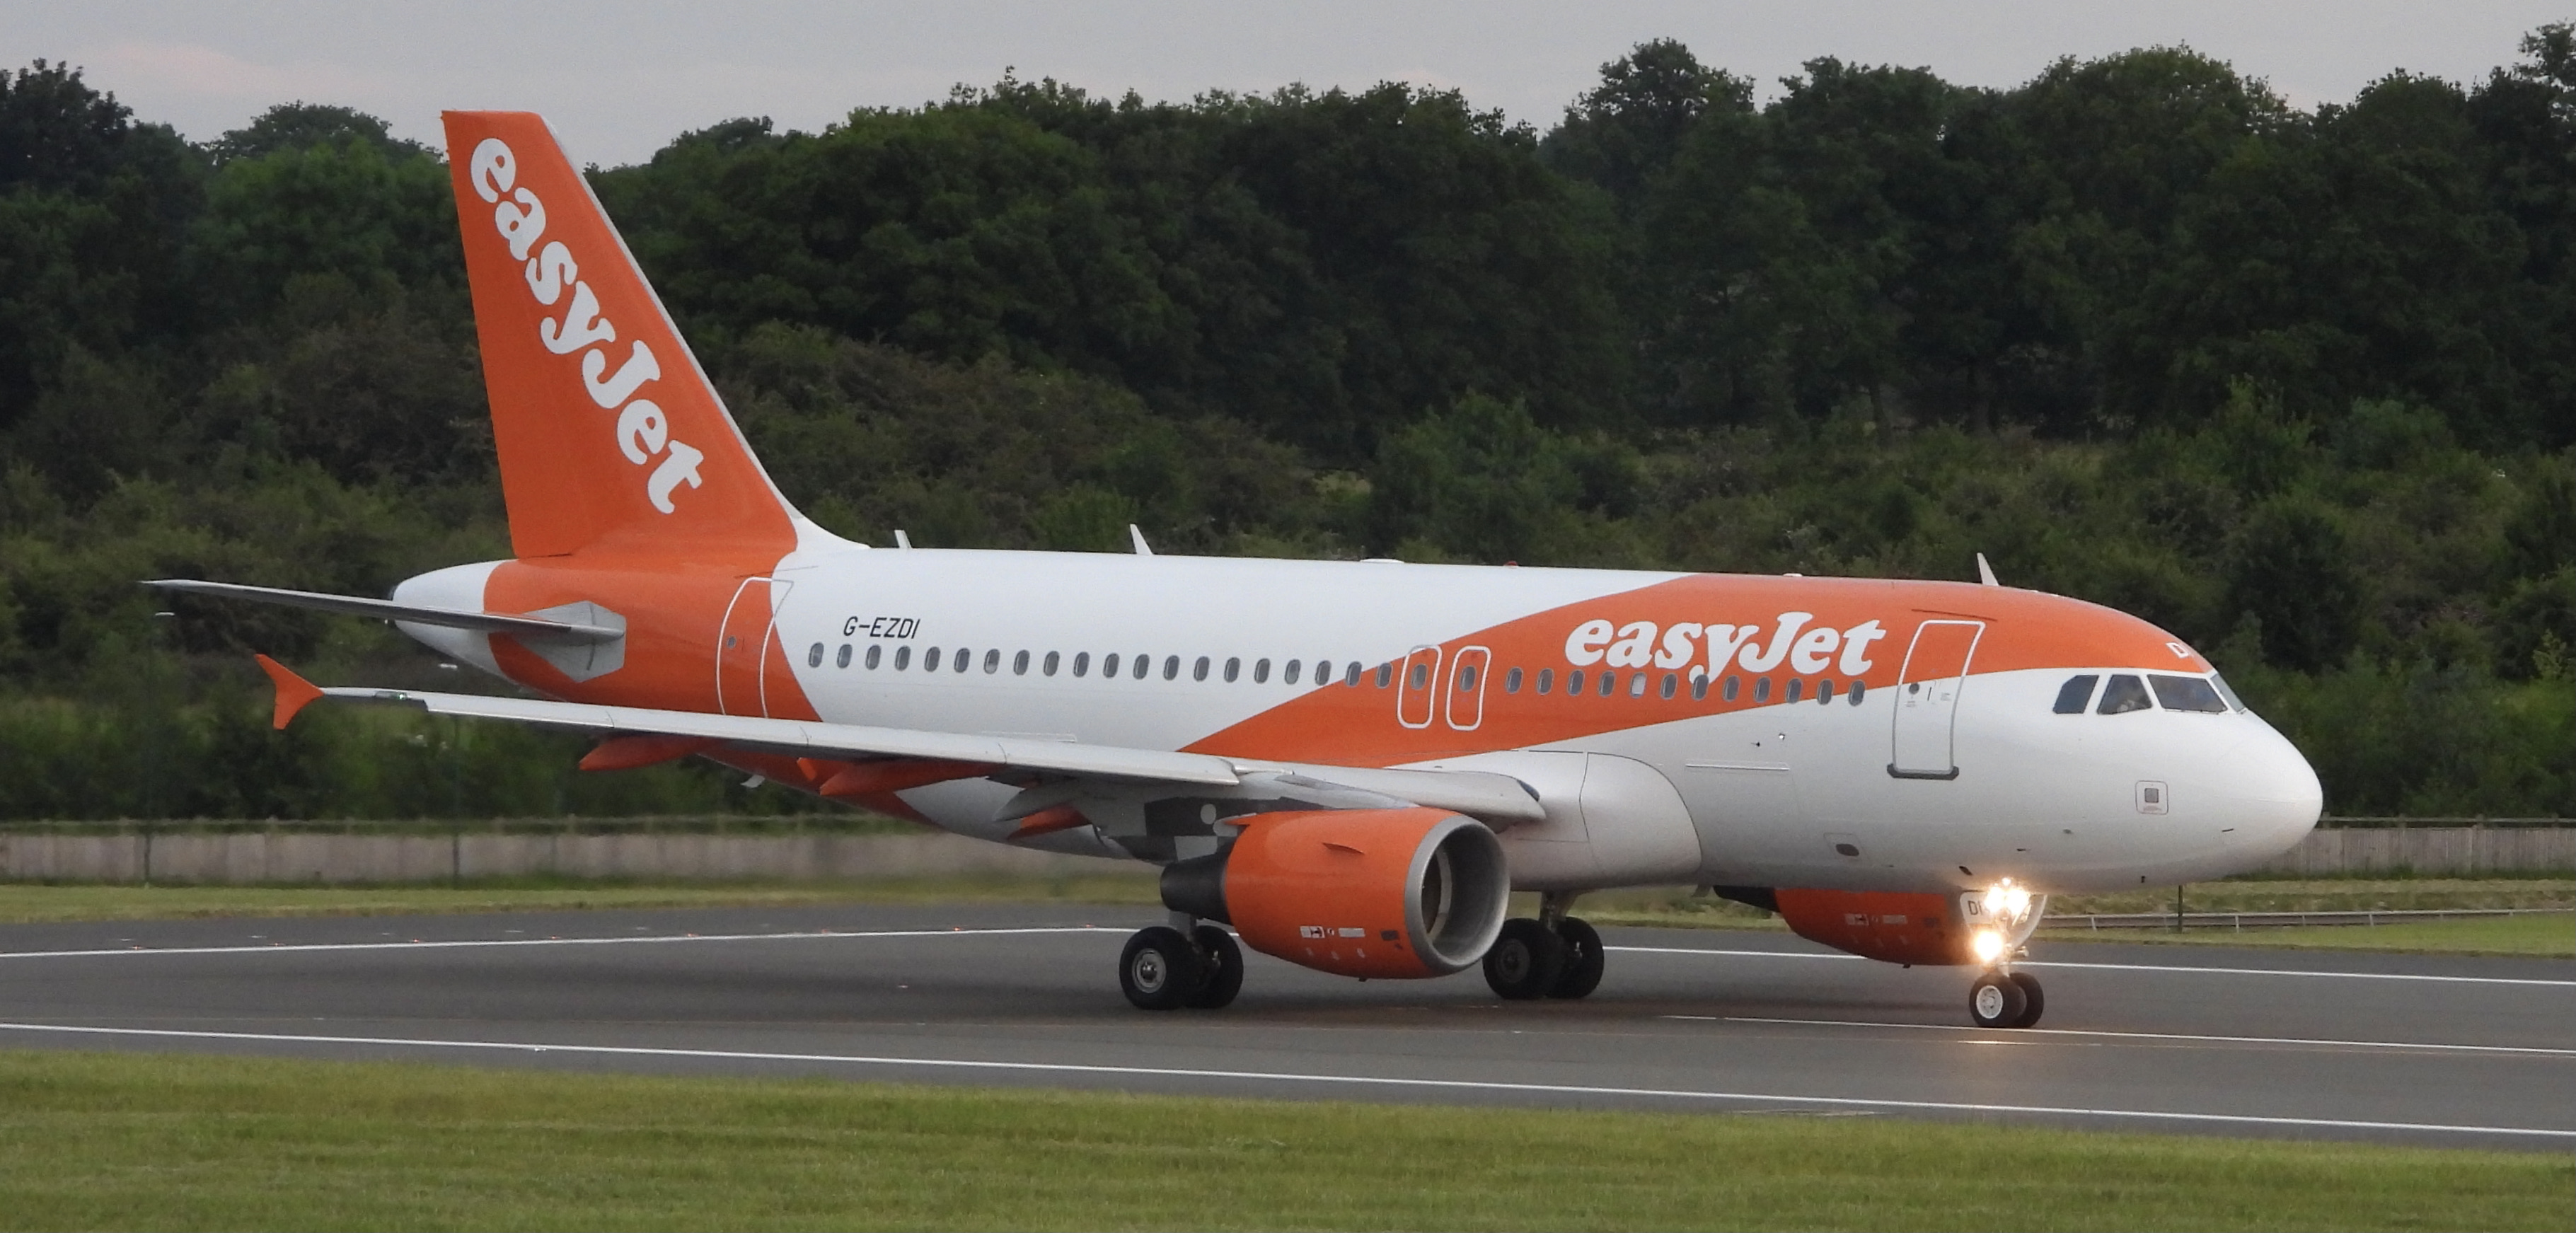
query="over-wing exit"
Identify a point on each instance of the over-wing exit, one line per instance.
(1352, 764)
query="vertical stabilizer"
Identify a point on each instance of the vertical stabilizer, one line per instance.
(608, 432)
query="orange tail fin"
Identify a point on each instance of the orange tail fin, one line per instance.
(607, 429)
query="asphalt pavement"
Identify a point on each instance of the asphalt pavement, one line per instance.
(2449, 1051)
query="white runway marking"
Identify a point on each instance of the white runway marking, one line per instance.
(2025, 1033)
(416, 944)
(1264, 1076)
(2129, 967)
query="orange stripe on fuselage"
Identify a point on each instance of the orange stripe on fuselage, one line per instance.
(1360, 726)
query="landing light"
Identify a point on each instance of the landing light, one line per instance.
(1988, 944)
(2008, 903)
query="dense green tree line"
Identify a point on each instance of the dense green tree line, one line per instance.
(2293, 383)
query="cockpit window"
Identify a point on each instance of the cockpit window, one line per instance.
(2219, 683)
(2077, 691)
(2187, 693)
(2123, 695)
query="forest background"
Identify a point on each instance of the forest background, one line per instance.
(2296, 384)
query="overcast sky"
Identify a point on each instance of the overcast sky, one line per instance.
(619, 80)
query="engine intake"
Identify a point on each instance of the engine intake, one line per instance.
(1386, 893)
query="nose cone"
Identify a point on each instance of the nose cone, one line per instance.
(2273, 796)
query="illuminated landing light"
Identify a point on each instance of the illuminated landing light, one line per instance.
(2008, 903)
(1988, 945)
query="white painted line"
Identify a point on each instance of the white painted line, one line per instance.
(2025, 1033)
(416, 944)
(1269, 1076)
(2130, 967)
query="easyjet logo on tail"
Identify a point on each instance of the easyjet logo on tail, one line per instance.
(1806, 651)
(643, 429)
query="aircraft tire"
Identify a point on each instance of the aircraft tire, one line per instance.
(1159, 969)
(1525, 961)
(2033, 1001)
(1583, 959)
(1222, 976)
(1995, 1001)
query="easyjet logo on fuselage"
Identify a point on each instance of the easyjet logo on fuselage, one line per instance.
(1806, 651)
(643, 430)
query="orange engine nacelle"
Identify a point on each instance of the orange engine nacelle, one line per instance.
(1356, 892)
(1895, 926)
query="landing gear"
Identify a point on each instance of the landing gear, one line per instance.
(1554, 956)
(1165, 969)
(2001, 999)
(1223, 974)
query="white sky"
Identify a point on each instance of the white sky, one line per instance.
(619, 80)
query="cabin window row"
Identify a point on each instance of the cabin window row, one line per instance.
(1608, 684)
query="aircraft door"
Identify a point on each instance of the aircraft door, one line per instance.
(1466, 705)
(743, 645)
(1419, 689)
(1927, 698)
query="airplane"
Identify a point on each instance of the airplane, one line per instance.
(1351, 763)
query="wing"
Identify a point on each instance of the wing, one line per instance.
(890, 759)
(385, 609)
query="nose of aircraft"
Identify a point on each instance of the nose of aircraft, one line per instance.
(2273, 795)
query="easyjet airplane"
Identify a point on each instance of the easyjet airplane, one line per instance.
(1351, 763)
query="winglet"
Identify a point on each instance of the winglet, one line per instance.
(1985, 572)
(294, 693)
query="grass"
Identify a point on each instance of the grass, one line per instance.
(171, 1141)
(2542, 936)
(31, 903)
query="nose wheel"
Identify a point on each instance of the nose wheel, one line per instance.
(2002, 999)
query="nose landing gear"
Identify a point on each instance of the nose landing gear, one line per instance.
(2001, 999)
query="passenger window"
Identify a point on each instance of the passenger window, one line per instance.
(842, 659)
(1512, 681)
(1731, 686)
(1857, 689)
(875, 654)
(814, 658)
(1081, 663)
(1762, 690)
(1198, 671)
(1574, 683)
(1467, 679)
(1824, 691)
(963, 655)
(1699, 686)
(1671, 684)
(1323, 672)
(1261, 672)
(1020, 664)
(1053, 658)
(1144, 664)
(930, 660)
(2123, 695)
(1546, 680)
(1385, 675)
(1797, 690)
(992, 661)
(1171, 667)
(1351, 675)
(902, 658)
(2072, 695)
(2187, 693)
(1233, 669)
(1288, 673)
(1636, 684)
(1109, 664)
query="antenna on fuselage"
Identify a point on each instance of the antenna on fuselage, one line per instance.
(902, 540)
(1985, 572)
(1138, 538)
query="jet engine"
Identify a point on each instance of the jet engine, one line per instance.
(1357, 892)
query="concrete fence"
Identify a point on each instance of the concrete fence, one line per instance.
(289, 856)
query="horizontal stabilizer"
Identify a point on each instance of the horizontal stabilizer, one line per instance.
(385, 609)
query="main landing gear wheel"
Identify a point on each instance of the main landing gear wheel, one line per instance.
(1583, 959)
(1221, 974)
(1160, 970)
(1997, 1001)
(1526, 961)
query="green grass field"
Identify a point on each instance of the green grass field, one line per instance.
(174, 1142)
